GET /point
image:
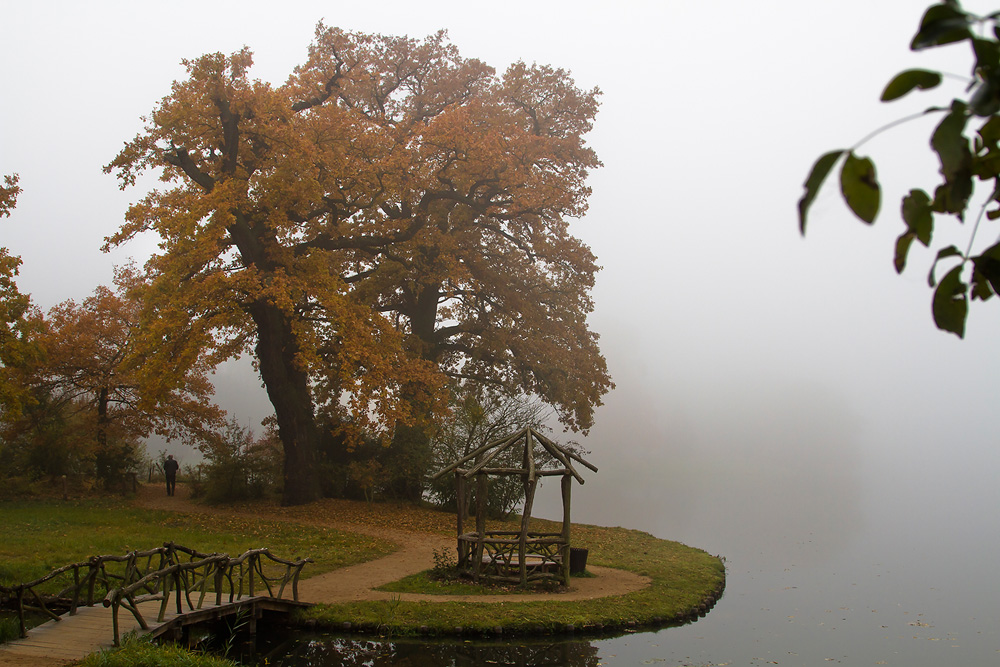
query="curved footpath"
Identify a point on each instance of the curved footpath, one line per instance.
(415, 554)
(358, 582)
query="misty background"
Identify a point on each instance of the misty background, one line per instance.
(779, 400)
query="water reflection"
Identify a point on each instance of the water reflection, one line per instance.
(328, 651)
(848, 540)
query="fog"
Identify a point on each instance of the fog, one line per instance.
(783, 401)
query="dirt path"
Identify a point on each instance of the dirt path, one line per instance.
(357, 582)
(415, 554)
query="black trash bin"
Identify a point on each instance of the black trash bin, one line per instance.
(577, 560)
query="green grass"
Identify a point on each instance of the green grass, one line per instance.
(685, 581)
(137, 652)
(42, 535)
(10, 628)
(426, 583)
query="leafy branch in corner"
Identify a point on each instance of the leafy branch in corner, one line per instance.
(966, 143)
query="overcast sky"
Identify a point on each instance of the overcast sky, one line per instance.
(731, 338)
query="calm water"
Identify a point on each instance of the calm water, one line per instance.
(845, 541)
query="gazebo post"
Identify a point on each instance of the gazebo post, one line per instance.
(480, 524)
(567, 487)
(476, 545)
(463, 551)
(522, 550)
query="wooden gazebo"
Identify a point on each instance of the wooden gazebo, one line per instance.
(515, 556)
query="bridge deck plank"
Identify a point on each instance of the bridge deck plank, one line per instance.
(91, 629)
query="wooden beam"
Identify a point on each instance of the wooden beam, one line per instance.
(573, 455)
(529, 499)
(507, 444)
(480, 525)
(529, 455)
(560, 455)
(567, 489)
(472, 455)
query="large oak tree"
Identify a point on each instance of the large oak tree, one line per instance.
(391, 214)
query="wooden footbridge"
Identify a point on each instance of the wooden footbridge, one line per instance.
(164, 590)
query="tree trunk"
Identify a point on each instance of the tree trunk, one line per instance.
(103, 398)
(104, 459)
(408, 461)
(409, 456)
(287, 386)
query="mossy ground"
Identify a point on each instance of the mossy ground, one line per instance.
(686, 582)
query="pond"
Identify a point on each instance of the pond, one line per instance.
(845, 542)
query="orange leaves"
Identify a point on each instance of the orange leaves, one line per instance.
(8, 194)
(20, 324)
(392, 213)
(98, 356)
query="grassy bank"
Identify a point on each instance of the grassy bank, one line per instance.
(686, 582)
(41, 535)
(137, 652)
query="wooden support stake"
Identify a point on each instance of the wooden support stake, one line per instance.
(567, 487)
(529, 499)
(179, 590)
(220, 570)
(460, 516)
(76, 590)
(480, 525)
(114, 621)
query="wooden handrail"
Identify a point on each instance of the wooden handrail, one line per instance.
(178, 570)
(186, 580)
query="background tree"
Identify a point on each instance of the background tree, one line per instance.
(482, 415)
(239, 465)
(94, 367)
(19, 324)
(293, 215)
(48, 438)
(497, 291)
(966, 143)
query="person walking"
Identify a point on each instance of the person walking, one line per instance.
(170, 468)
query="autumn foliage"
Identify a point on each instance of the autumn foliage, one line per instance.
(18, 323)
(391, 216)
(95, 394)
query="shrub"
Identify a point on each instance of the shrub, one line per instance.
(239, 466)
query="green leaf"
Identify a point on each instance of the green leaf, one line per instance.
(987, 54)
(990, 132)
(820, 170)
(919, 219)
(980, 287)
(950, 251)
(906, 81)
(985, 100)
(988, 266)
(860, 187)
(950, 142)
(952, 147)
(918, 215)
(903, 244)
(950, 304)
(942, 24)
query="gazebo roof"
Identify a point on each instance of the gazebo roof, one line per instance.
(532, 465)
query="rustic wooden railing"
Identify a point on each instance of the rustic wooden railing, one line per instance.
(156, 574)
(501, 554)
